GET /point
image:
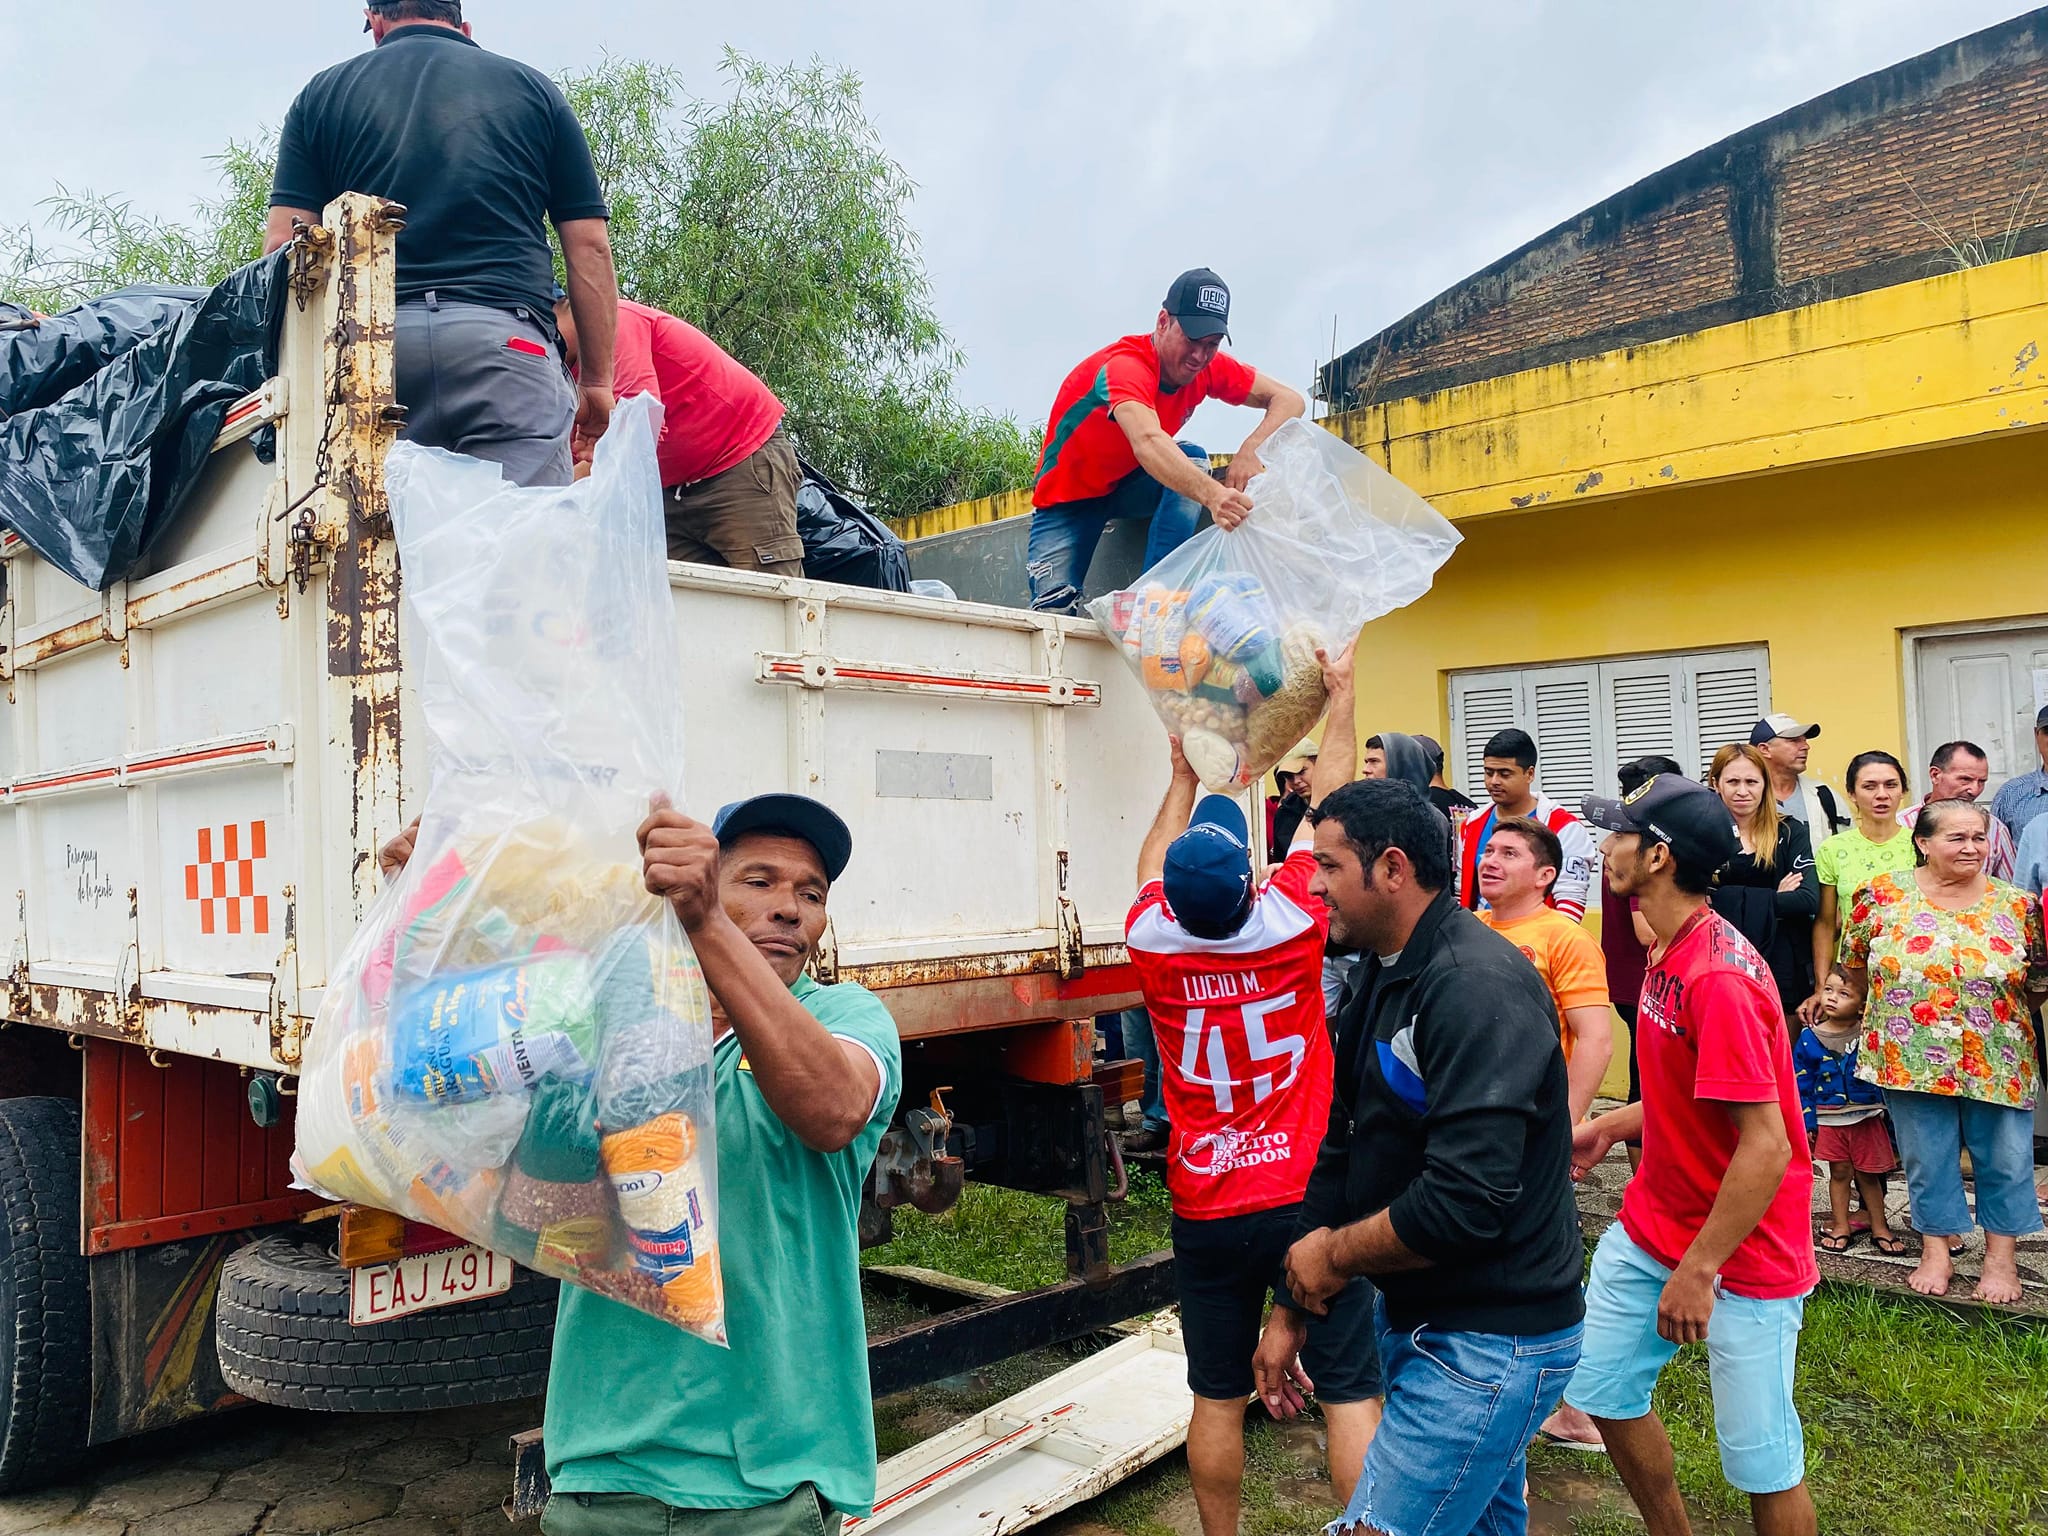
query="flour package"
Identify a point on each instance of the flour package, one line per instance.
(1223, 631)
(516, 1044)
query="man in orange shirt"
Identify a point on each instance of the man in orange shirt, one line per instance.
(1521, 861)
(1514, 877)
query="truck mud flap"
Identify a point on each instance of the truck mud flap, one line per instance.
(153, 1361)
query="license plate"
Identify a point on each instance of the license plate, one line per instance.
(381, 1292)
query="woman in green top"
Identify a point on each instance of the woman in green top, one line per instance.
(1876, 844)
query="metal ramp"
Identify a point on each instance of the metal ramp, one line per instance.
(1052, 1446)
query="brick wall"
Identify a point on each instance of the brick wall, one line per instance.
(1962, 162)
(1856, 189)
(1684, 258)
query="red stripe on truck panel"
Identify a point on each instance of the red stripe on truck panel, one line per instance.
(184, 1133)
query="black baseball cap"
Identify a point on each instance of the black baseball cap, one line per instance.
(793, 816)
(1208, 876)
(1200, 301)
(1685, 816)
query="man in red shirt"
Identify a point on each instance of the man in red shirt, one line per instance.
(1232, 976)
(728, 472)
(1109, 448)
(1715, 1238)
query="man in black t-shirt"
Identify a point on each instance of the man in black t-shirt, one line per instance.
(483, 152)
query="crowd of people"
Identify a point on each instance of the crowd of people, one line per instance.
(1806, 975)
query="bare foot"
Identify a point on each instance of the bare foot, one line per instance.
(1935, 1269)
(1568, 1426)
(2001, 1282)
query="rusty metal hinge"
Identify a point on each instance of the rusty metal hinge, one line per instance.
(825, 959)
(287, 1025)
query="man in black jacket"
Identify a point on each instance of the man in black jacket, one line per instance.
(1445, 1177)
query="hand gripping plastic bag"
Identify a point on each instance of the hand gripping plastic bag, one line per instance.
(1223, 631)
(516, 1044)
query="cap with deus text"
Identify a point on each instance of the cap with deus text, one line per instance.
(1200, 301)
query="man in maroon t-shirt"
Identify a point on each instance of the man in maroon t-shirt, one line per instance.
(1109, 447)
(729, 474)
(1715, 1238)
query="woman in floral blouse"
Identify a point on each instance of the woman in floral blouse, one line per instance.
(1948, 956)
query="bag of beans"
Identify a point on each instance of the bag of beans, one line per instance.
(516, 1044)
(1223, 631)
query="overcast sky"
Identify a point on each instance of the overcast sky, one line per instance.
(1335, 160)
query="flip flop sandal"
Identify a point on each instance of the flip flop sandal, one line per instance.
(1590, 1447)
(1959, 1250)
(1893, 1247)
(1835, 1242)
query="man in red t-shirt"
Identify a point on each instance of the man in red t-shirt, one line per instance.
(1232, 976)
(1715, 1239)
(1109, 448)
(729, 474)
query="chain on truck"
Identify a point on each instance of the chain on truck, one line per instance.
(197, 767)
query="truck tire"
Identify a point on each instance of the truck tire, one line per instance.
(45, 1303)
(282, 1331)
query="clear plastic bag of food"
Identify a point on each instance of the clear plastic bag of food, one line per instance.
(516, 1044)
(1223, 631)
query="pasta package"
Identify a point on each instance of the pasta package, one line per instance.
(1223, 631)
(516, 1043)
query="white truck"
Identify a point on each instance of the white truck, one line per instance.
(196, 769)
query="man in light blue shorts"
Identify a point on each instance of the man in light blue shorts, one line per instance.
(1714, 1243)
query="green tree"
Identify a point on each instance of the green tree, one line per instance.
(106, 244)
(772, 217)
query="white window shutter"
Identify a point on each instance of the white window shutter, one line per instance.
(1731, 691)
(1481, 703)
(1645, 703)
(1564, 711)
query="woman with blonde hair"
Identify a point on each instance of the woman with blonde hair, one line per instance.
(1770, 890)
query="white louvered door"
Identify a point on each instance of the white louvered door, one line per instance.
(1590, 718)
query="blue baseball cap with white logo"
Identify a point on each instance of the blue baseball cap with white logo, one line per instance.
(1208, 876)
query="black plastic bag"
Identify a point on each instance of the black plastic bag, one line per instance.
(91, 477)
(43, 359)
(845, 542)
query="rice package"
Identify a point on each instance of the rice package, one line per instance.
(1223, 631)
(516, 1044)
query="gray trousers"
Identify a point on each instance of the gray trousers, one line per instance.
(471, 382)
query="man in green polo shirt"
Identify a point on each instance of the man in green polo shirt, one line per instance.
(650, 1430)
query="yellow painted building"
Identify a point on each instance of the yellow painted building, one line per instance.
(1841, 487)
(1831, 493)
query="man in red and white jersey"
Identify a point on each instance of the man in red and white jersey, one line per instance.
(1509, 761)
(1232, 975)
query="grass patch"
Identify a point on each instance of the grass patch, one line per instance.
(1007, 1238)
(1920, 1420)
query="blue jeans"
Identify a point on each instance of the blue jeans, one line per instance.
(1063, 537)
(1752, 1348)
(1451, 1454)
(1144, 1045)
(1933, 1129)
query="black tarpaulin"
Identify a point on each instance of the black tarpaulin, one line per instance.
(845, 542)
(109, 411)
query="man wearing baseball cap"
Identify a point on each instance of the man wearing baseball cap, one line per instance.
(1715, 1239)
(1784, 740)
(1109, 448)
(484, 152)
(1231, 970)
(646, 1425)
(1285, 810)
